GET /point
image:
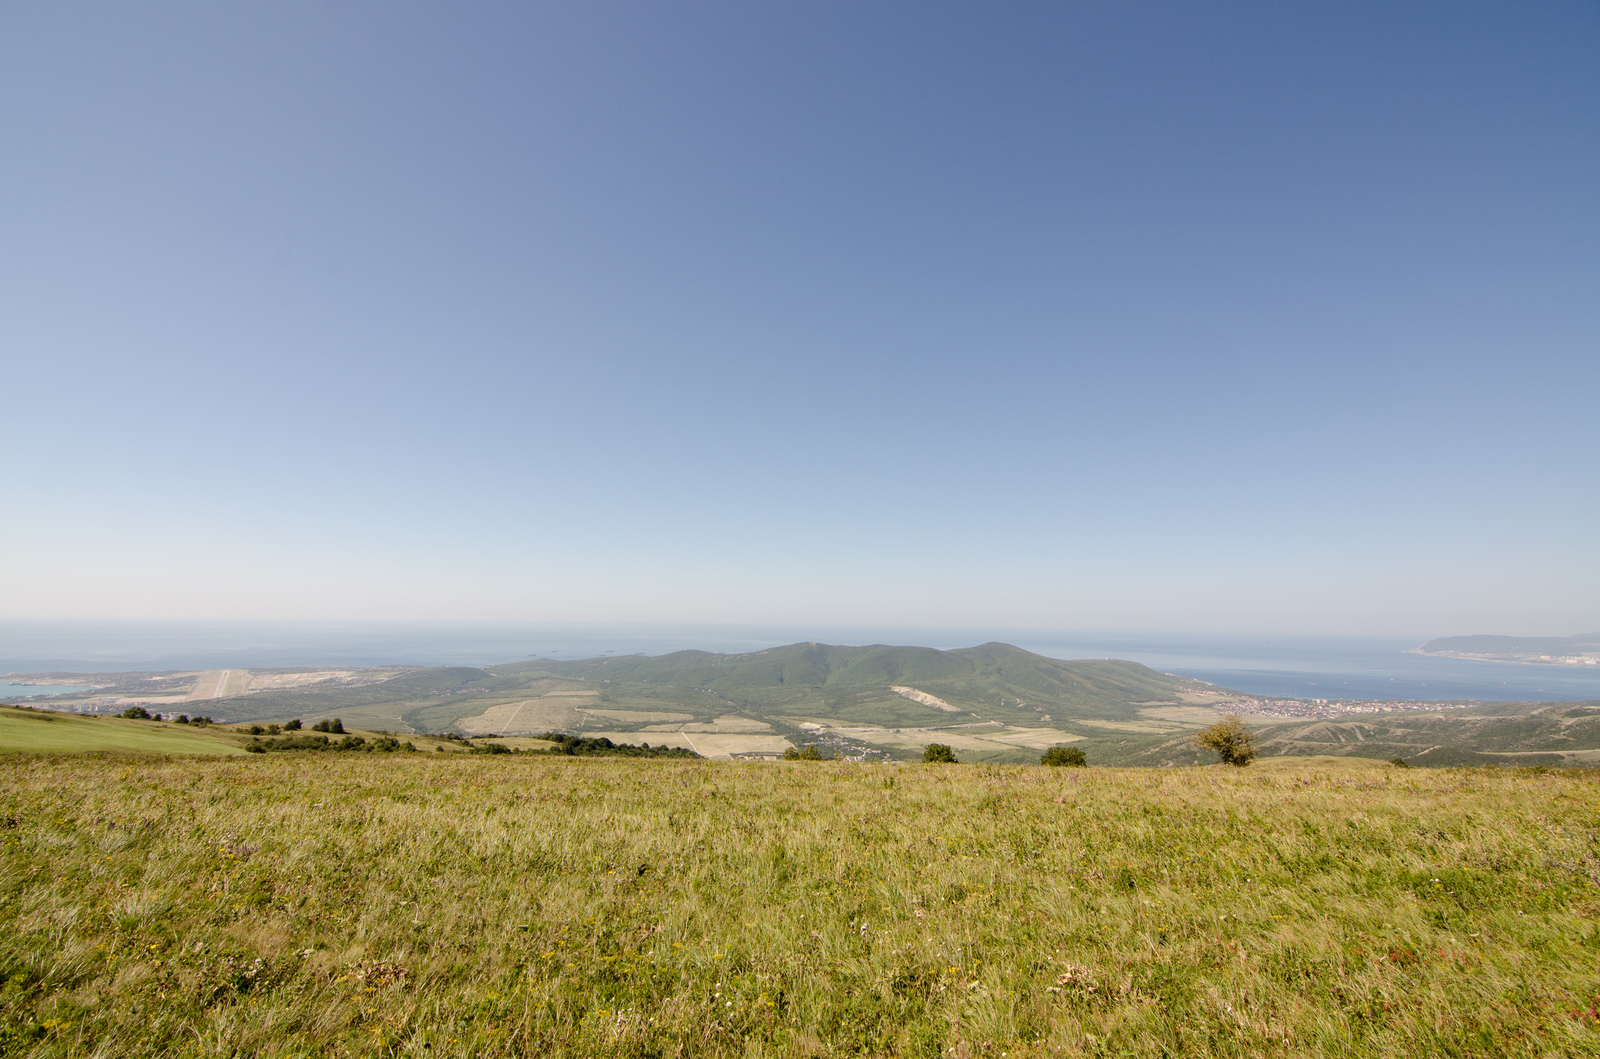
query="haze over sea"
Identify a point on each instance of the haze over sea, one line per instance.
(1369, 667)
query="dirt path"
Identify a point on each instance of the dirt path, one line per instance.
(507, 726)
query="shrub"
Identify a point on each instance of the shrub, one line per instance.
(273, 729)
(300, 742)
(255, 748)
(334, 727)
(135, 713)
(1233, 741)
(939, 753)
(1070, 756)
(809, 752)
(572, 745)
(183, 718)
(1399, 762)
(292, 726)
(256, 729)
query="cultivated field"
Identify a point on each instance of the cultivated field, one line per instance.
(455, 905)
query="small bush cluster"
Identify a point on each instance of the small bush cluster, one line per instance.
(809, 752)
(573, 745)
(334, 727)
(1068, 756)
(382, 745)
(939, 754)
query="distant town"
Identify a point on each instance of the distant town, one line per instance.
(1330, 708)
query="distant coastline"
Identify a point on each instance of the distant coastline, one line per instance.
(1582, 650)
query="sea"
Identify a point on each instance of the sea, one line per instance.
(1302, 667)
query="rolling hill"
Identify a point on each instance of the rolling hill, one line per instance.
(993, 702)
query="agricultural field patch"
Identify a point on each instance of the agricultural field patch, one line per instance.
(720, 744)
(1182, 716)
(1147, 727)
(640, 716)
(725, 724)
(259, 681)
(525, 715)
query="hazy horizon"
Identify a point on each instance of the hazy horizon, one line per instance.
(1244, 317)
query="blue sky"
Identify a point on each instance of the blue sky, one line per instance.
(1218, 317)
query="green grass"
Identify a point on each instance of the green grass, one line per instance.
(40, 731)
(453, 905)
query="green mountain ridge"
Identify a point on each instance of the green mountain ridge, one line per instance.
(1004, 682)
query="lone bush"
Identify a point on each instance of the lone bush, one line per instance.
(292, 726)
(1070, 756)
(1233, 741)
(939, 753)
(136, 713)
(334, 727)
(1399, 762)
(809, 752)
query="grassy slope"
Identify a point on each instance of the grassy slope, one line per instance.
(489, 906)
(39, 731)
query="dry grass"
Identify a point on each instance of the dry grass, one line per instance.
(453, 905)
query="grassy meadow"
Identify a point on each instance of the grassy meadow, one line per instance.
(24, 730)
(463, 905)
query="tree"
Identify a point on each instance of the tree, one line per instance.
(1070, 756)
(292, 726)
(939, 753)
(137, 713)
(808, 752)
(1233, 741)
